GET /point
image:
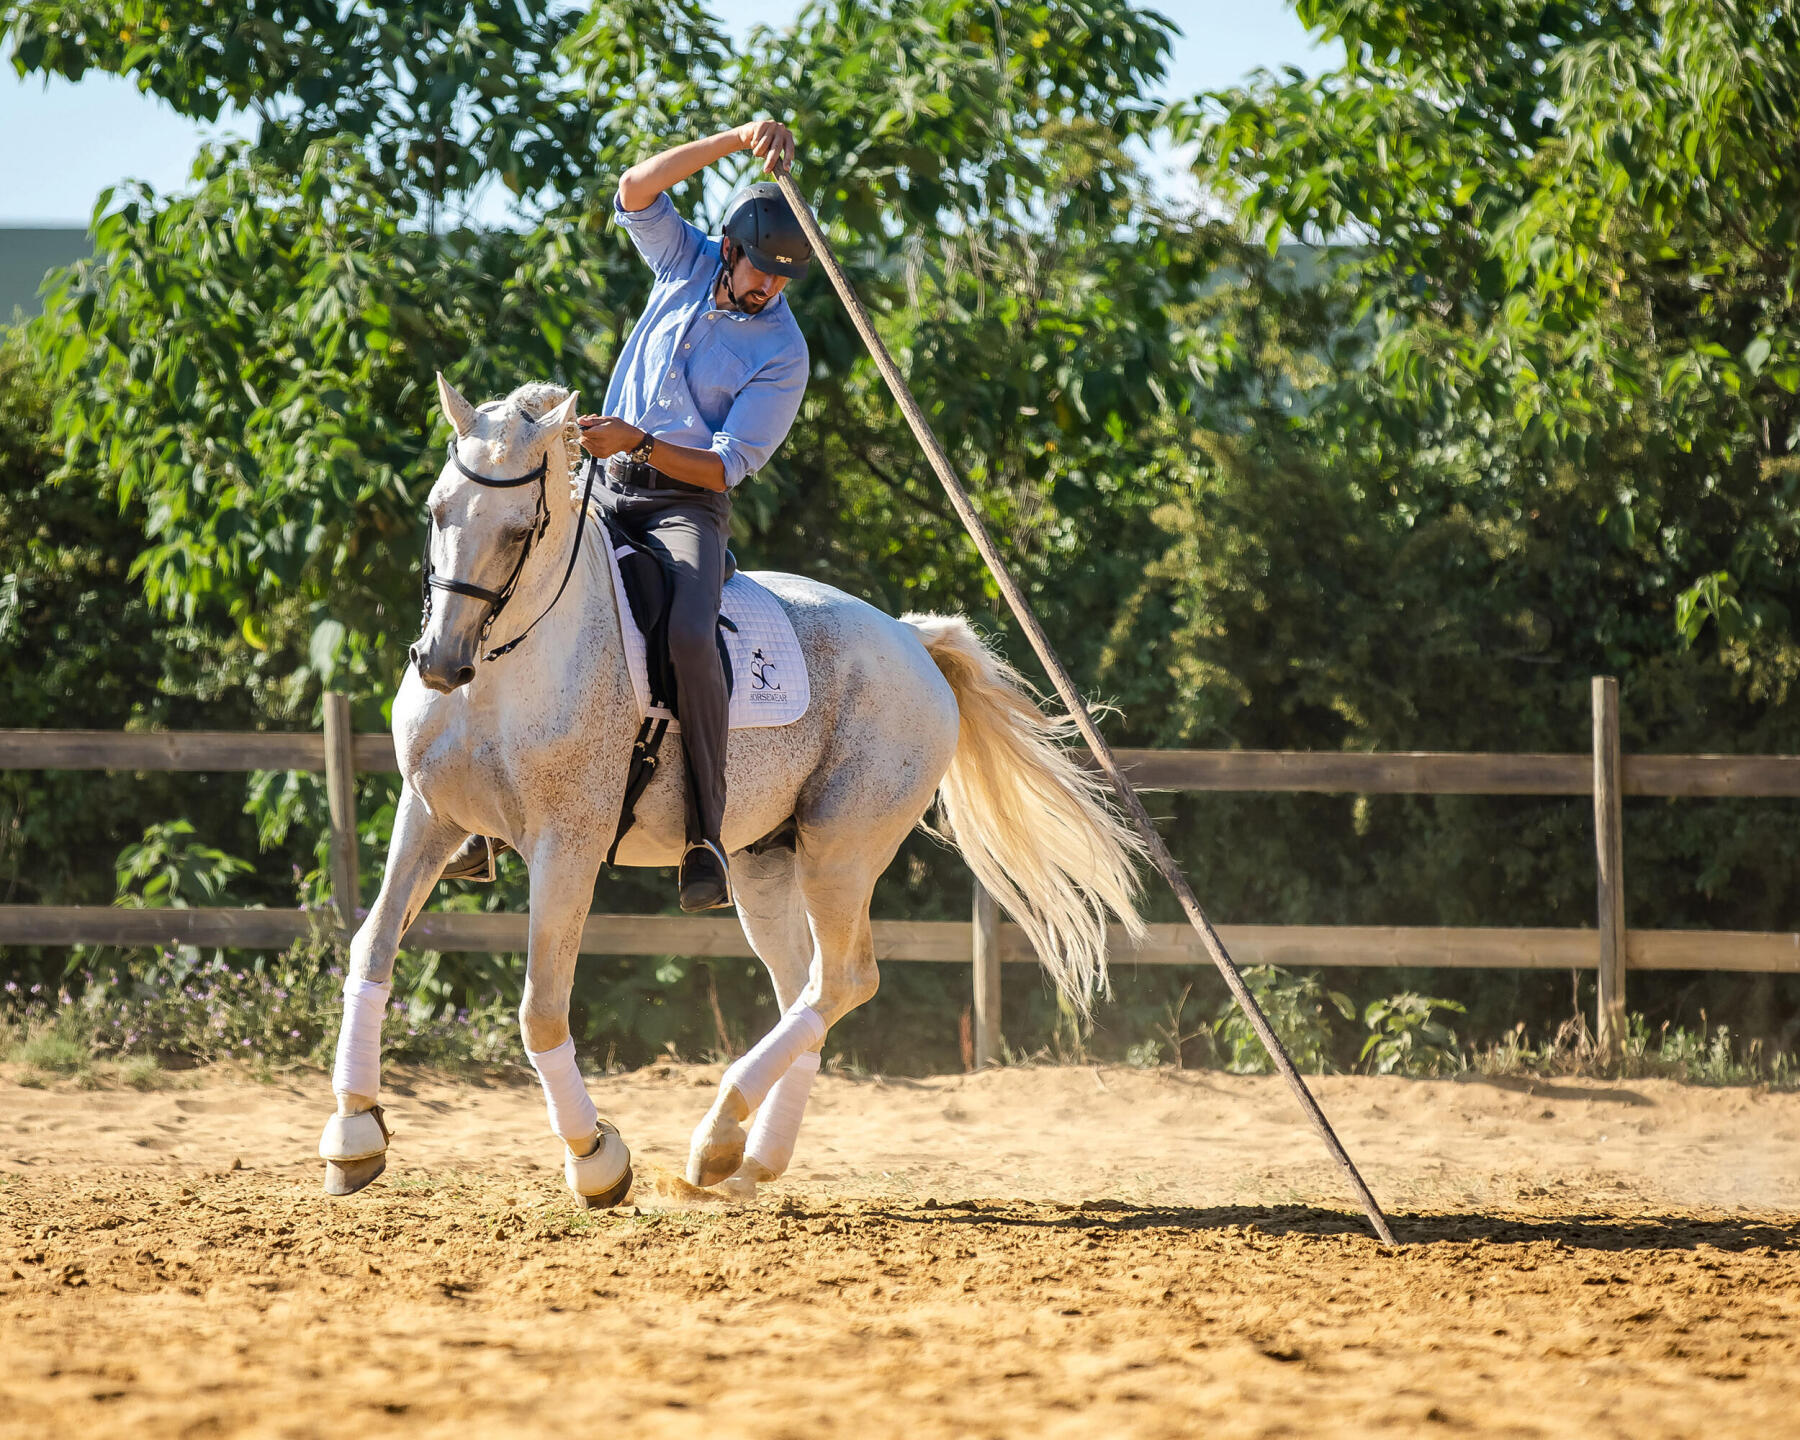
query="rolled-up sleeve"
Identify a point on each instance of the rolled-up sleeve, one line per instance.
(666, 241)
(762, 415)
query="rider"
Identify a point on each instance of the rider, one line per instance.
(705, 388)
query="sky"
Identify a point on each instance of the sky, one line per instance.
(68, 141)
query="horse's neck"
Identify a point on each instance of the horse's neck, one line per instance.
(580, 626)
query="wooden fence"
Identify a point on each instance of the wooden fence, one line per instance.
(985, 943)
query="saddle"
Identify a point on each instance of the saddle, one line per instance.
(649, 581)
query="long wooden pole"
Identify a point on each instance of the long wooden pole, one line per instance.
(340, 796)
(1609, 857)
(1071, 698)
(985, 951)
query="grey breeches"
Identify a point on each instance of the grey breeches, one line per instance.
(692, 530)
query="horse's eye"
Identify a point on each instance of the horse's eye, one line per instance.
(516, 534)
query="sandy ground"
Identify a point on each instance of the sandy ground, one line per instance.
(1034, 1252)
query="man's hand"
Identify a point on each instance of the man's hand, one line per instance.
(604, 435)
(771, 142)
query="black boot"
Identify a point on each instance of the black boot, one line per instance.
(705, 878)
(475, 861)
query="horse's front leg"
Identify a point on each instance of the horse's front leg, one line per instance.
(596, 1164)
(354, 1145)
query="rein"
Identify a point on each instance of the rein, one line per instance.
(496, 600)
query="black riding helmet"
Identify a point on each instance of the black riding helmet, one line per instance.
(760, 221)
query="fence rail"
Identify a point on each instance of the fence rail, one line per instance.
(985, 942)
(1416, 772)
(939, 941)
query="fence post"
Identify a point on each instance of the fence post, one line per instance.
(340, 793)
(987, 978)
(1609, 847)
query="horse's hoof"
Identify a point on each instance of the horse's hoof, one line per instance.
(611, 1198)
(600, 1179)
(354, 1149)
(709, 1165)
(739, 1187)
(346, 1177)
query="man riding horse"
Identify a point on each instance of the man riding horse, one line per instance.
(705, 389)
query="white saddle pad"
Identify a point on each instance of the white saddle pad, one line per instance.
(769, 681)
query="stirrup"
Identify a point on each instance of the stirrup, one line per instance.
(710, 888)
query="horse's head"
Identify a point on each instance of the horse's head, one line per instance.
(507, 466)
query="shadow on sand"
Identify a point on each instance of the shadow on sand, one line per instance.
(1594, 1231)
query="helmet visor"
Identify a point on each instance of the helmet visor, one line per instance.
(791, 265)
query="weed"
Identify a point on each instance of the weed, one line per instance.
(1298, 1008)
(175, 1005)
(1707, 1055)
(52, 1050)
(1407, 1039)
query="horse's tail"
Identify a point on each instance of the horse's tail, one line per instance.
(1035, 827)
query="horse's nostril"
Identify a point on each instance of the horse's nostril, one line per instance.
(412, 656)
(465, 675)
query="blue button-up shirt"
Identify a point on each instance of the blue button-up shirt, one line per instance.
(692, 374)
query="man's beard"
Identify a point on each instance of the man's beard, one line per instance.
(751, 304)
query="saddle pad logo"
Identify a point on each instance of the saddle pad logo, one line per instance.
(765, 688)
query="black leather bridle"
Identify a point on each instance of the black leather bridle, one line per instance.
(496, 600)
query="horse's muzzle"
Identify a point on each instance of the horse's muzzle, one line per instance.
(440, 672)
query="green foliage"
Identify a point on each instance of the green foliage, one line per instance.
(1299, 1010)
(1407, 1039)
(1527, 419)
(168, 868)
(177, 1007)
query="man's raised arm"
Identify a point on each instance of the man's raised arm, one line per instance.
(769, 140)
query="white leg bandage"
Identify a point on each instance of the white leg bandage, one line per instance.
(798, 1031)
(777, 1126)
(572, 1113)
(358, 1068)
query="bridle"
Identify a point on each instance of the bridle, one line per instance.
(496, 600)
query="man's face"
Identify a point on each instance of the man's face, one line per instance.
(754, 288)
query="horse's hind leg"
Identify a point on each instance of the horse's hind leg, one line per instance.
(773, 914)
(837, 874)
(354, 1145)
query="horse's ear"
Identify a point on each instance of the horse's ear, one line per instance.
(559, 418)
(458, 411)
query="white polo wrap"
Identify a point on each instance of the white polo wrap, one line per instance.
(572, 1113)
(358, 1067)
(771, 1142)
(755, 1074)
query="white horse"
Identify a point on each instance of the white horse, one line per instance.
(533, 747)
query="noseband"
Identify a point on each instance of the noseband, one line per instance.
(496, 600)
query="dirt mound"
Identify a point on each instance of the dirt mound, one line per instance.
(1168, 1258)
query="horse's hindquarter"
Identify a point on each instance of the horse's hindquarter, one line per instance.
(884, 716)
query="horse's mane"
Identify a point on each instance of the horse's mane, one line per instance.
(536, 399)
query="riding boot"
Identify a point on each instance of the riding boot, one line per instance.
(475, 861)
(705, 878)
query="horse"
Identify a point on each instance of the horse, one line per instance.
(530, 741)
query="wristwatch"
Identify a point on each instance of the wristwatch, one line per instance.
(640, 452)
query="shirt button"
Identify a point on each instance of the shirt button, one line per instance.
(671, 374)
